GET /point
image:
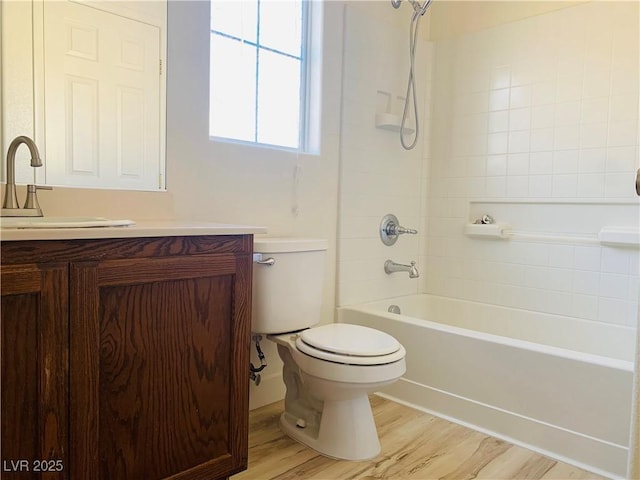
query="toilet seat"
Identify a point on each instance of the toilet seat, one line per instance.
(350, 344)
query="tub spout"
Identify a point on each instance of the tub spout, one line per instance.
(391, 267)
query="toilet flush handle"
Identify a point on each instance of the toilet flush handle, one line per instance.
(257, 258)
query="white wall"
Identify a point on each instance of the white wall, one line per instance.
(537, 125)
(232, 183)
(377, 175)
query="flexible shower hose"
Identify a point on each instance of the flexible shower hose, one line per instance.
(411, 87)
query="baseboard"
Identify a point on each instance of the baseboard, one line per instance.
(271, 389)
(588, 453)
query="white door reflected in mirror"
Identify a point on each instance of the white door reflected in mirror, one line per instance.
(98, 90)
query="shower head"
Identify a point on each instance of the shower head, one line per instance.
(417, 8)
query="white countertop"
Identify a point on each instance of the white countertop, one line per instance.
(162, 228)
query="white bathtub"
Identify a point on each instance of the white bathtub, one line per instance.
(558, 385)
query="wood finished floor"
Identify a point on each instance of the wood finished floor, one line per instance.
(415, 446)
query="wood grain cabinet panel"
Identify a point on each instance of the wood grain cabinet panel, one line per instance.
(34, 370)
(157, 352)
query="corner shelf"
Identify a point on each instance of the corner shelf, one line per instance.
(391, 122)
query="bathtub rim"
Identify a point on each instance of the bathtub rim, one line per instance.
(602, 360)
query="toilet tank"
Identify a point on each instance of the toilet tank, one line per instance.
(287, 296)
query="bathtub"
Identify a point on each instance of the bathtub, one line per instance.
(557, 385)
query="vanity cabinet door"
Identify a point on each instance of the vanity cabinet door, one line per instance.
(159, 365)
(33, 397)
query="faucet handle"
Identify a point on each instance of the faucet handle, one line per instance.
(32, 197)
(390, 229)
(398, 230)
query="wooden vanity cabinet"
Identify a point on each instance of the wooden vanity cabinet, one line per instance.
(126, 358)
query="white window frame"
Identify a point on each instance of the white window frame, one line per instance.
(310, 84)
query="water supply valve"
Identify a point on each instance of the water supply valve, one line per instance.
(390, 229)
(254, 372)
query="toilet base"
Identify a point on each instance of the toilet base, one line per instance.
(347, 430)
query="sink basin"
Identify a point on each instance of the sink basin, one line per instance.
(61, 222)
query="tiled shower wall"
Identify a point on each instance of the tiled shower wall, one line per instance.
(536, 123)
(377, 176)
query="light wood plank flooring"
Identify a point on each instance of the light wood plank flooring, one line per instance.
(415, 445)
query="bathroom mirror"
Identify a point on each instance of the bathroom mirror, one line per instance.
(87, 81)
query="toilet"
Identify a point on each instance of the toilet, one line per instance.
(329, 370)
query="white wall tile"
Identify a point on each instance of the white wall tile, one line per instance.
(499, 99)
(540, 186)
(518, 164)
(541, 163)
(561, 256)
(612, 310)
(590, 185)
(496, 165)
(595, 110)
(624, 107)
(587, 258)
(496, 186)
(564, 185)
(520, 119)
(622, 159)
(618, 185)
(499, 121)
(593, 135)
(623, 134)
(615, 260)
(544, 93)
(565, 161)
(567, 113)
(614, 286)
(519, 141)
(498, 143)
(542, 140)
(518, 186)
(521, 96)
(586, 283)
(585, 306)
(597, 84)
(566, 137)
(517, 117)
(592, 160)
(623, 80)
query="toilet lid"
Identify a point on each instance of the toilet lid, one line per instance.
(351, 340)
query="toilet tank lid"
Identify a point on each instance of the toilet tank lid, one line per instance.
(288, 244)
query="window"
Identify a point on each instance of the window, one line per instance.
(258, 72)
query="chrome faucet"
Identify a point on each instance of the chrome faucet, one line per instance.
(391, 267)
(10, 207)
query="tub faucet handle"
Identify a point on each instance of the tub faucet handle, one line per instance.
(390, 229)
(398, 230)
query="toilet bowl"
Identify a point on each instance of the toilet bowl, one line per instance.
(328, 370)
